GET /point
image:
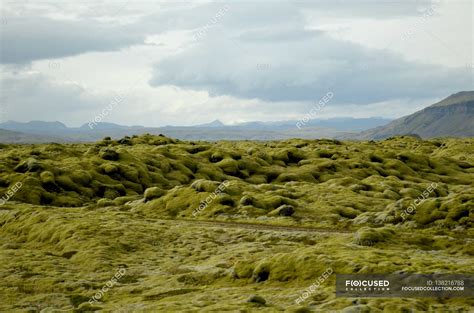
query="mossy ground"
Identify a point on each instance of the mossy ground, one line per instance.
(83, 213)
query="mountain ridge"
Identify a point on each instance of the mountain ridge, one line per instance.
(450, 117)
(215, 130)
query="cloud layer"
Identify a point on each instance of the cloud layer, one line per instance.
(237, 61)
(301, 65)
(34, 38)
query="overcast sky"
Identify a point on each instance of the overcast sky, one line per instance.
(185, 63)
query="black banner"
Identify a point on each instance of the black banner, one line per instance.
(405, 285)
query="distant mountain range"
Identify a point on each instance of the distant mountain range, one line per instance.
(7, 136)
(216, 130)
(451, 117)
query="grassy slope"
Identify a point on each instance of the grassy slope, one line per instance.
(81, 215)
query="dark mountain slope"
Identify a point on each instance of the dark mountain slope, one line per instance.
(451, 117)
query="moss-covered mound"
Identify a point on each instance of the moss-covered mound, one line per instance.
(325, 182)
(175, 226)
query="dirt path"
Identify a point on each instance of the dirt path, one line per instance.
(256, 226)
(226, 224)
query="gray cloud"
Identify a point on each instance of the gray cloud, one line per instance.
(25, 39)
(32, 96)
(301, 65)
(28, 33)
(264, 51)
(374, 9)
(258, 50)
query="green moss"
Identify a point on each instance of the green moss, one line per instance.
(30, 165)
(76, 300)
(153, 193)
(66, 183)
(177, 178)
(229, 166)
(81, 177)
(185, 246)
(347, 212)
(367, 236)
(109, 154)
(216, 157)
(47, 177)
(202, 185)
(243, 269)
(123, 200)
(428, 212)
(31, 191)
(301, 175)
(66, 200)
(105, 203)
